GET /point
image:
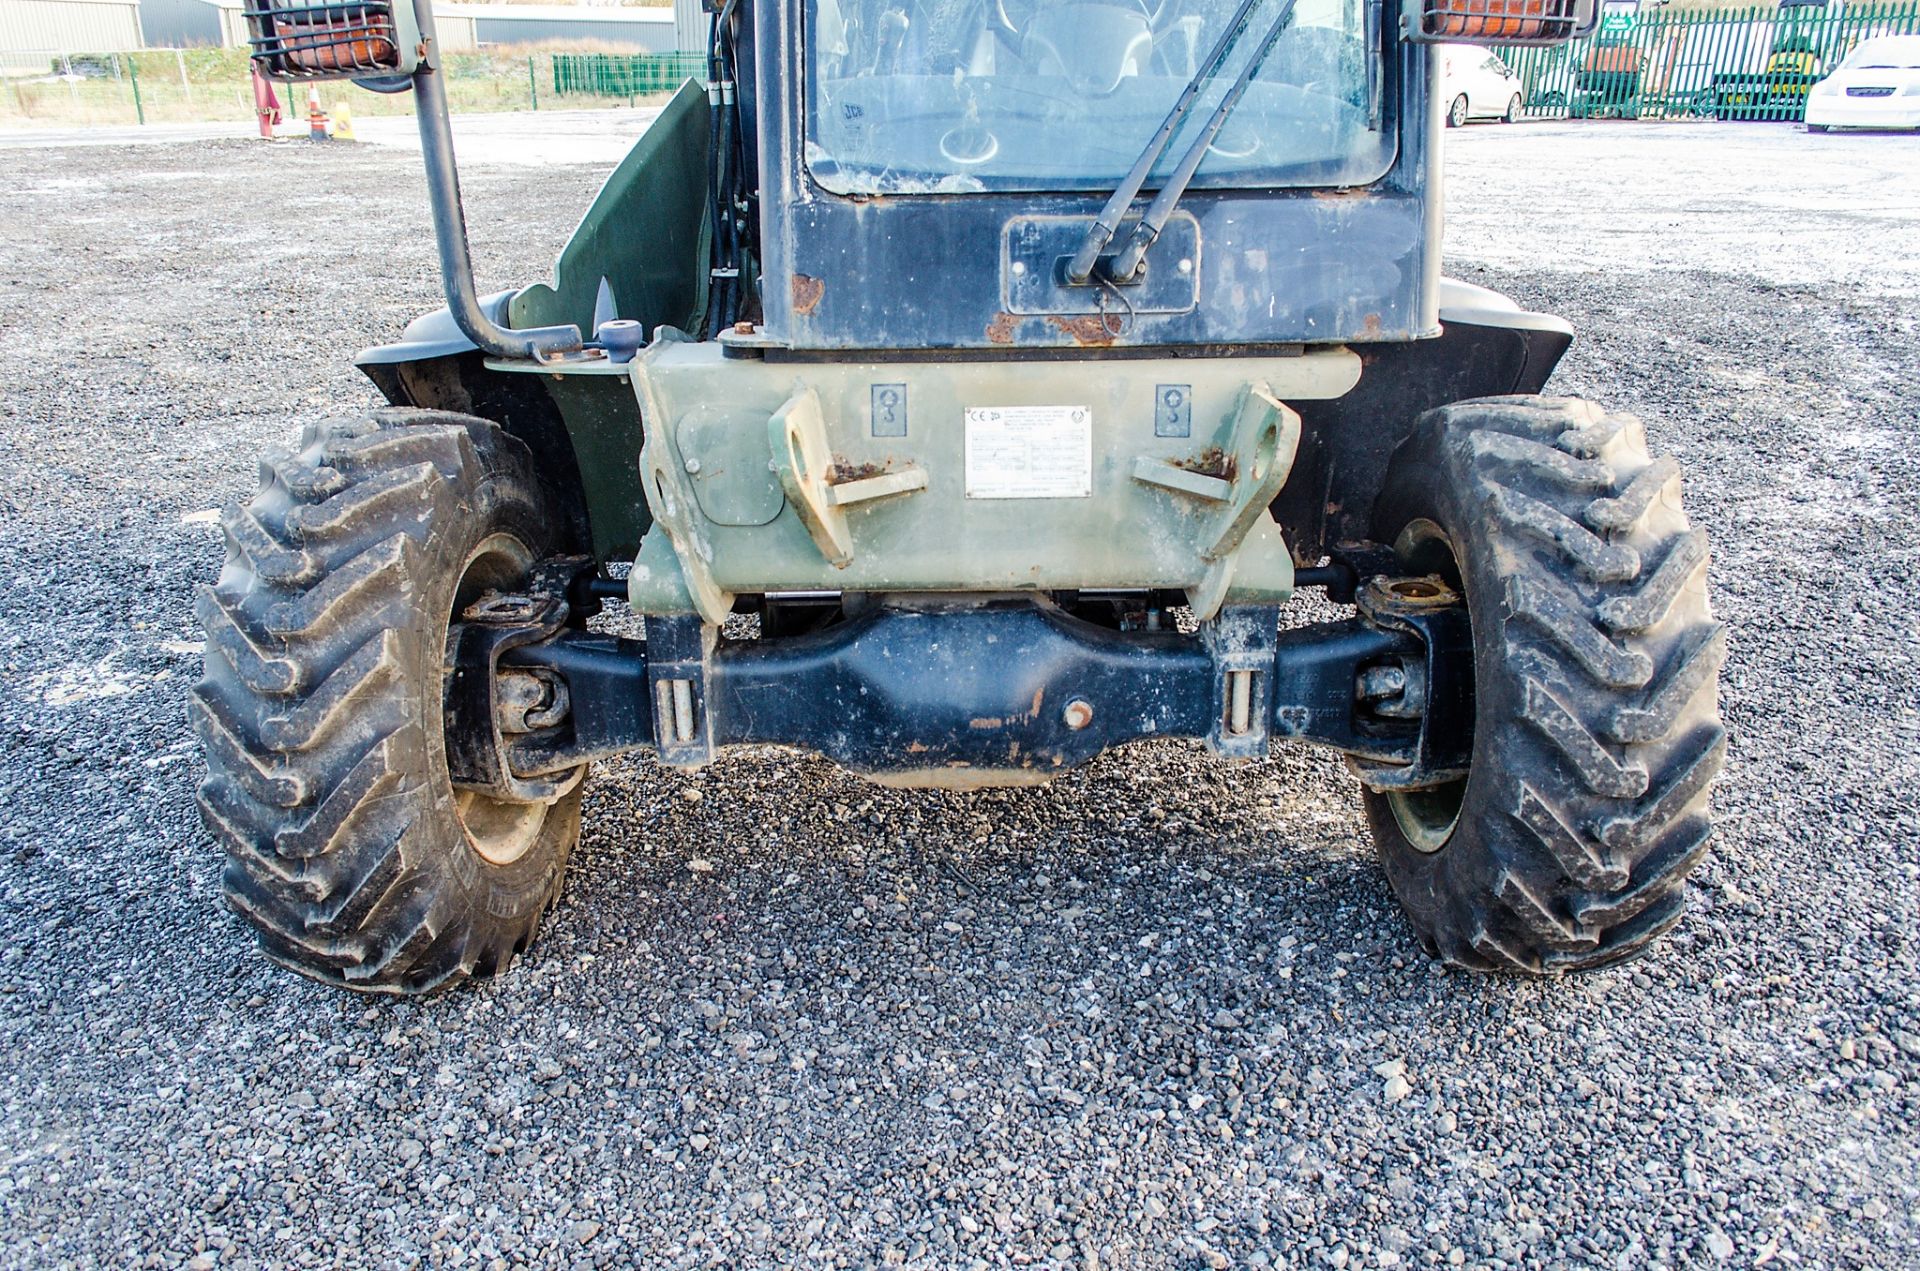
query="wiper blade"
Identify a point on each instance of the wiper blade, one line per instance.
(1105, 225)
(1128, 262)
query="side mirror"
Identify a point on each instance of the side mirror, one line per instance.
(1499, 21)
(300, 41)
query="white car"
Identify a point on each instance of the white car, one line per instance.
(1476, 84)
(1878, 86)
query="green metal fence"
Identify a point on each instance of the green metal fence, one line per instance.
(1753, 63)
(1723, 64)
(211, 84)
(624, 75)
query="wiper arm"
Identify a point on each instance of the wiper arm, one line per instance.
(1104, 226)
(1128, 263)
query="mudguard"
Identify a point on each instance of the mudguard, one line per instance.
(639, 253)
(1488, 346)
(431, 335)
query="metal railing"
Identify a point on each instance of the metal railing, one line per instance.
(1747, 64)
(624, 75)
(54, 88)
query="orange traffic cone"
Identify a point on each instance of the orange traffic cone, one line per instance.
(316, 117)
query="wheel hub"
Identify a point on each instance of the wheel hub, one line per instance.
(1428, 815)
(500, 603)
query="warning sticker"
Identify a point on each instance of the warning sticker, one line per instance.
(1029, 452)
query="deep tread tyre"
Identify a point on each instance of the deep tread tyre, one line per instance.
(322, 706)
(1596, 661)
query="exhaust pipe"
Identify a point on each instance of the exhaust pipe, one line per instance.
(450, 222)
(389, 46)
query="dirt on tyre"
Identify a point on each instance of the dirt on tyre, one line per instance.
(1597, 733)
(322, 706)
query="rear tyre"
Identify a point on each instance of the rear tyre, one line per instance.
(322, 709)
(1816, 127)
(1457, 112)
(1596, 660)
(1513, 110)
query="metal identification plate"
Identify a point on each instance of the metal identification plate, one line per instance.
(1029, 452)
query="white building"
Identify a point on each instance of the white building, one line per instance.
(641, 28)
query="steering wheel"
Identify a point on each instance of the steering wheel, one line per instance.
(1013, 16)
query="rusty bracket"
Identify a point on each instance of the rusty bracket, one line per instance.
(797, 437)
(1252, 465)
(475, 703)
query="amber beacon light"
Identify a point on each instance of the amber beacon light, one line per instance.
(297, 41)
(1502, 21)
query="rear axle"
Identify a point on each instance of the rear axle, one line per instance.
(956, 691)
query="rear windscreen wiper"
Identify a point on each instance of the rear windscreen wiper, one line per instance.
(1101, 232)
(1127, 264)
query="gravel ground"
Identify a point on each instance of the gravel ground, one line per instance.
(1150, 1016)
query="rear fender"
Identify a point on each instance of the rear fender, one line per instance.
(1488, 346)
(584, 435)
(638, 253)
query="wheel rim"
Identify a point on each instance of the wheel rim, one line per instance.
(1513, 110)
(1459, 112)
(1429, 817)
(500, 831)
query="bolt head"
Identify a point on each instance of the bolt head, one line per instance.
(1078, 713)
(1378, 682)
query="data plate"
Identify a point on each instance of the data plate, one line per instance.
(1029, 452)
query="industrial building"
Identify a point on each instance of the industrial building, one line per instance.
(35, 34)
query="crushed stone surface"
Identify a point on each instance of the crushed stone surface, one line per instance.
(1160, 1014)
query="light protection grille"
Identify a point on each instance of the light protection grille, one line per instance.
(299, 40)
(1501, 21)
